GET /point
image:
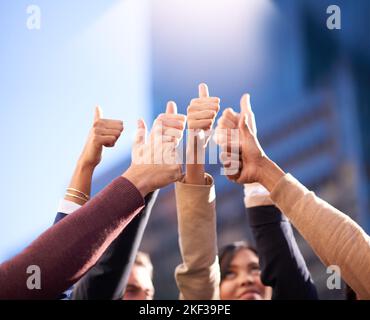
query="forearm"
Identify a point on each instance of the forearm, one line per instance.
(198, 277)
(195, 174)
(334, 236)
(81, 181)
(71, 247)
(107, 280)
(270, 174)
(282, 264)
(195, 170)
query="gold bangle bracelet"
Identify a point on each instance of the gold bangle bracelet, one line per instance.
(74, 196)
(80, 192)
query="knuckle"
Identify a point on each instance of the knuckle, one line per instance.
(227, 111)
(97, 124)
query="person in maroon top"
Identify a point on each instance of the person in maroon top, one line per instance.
(67, 250)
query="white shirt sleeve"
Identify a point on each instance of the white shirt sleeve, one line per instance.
(67, 207)
(256, 195)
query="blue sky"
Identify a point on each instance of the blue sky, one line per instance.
(86, 53)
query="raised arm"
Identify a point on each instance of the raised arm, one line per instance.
(109, 276)
(66, 251)
(107, 279)
(104, 133)
(198, 277)
(334, 236)
(282, 264)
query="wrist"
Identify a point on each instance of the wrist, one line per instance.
(84, 165)
(195, 151)
(270, 173)
(81, 181)
(195, 160)
(195, 174)
(140, 181)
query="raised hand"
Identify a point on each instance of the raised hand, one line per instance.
(202, 113)
(225, 126)
(252, 154)
(154, 163)
(104, 133)
(255, 166)
(227, 136)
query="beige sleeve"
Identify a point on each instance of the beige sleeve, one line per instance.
(198, 277)
(334, 236)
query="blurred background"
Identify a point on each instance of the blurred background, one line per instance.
(310, 89)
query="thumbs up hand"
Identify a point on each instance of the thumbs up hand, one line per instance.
(104, 132)
(202, 113)
(154, 162)
(253, 157)
(169, 126)
(240, 151)
(227, 136)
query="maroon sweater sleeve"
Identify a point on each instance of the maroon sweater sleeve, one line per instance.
(67, 250)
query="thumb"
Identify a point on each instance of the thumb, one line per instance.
(245, 107)
(141, 132)
(243, 125)
(171, 107)
(203, 91)
(98, 114)
(245, 103)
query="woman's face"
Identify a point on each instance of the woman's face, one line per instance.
(243, 279)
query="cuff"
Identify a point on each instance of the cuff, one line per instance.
(67, 207)
(183, 190)
(255, 195)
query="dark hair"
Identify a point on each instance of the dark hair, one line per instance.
(228, 253)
